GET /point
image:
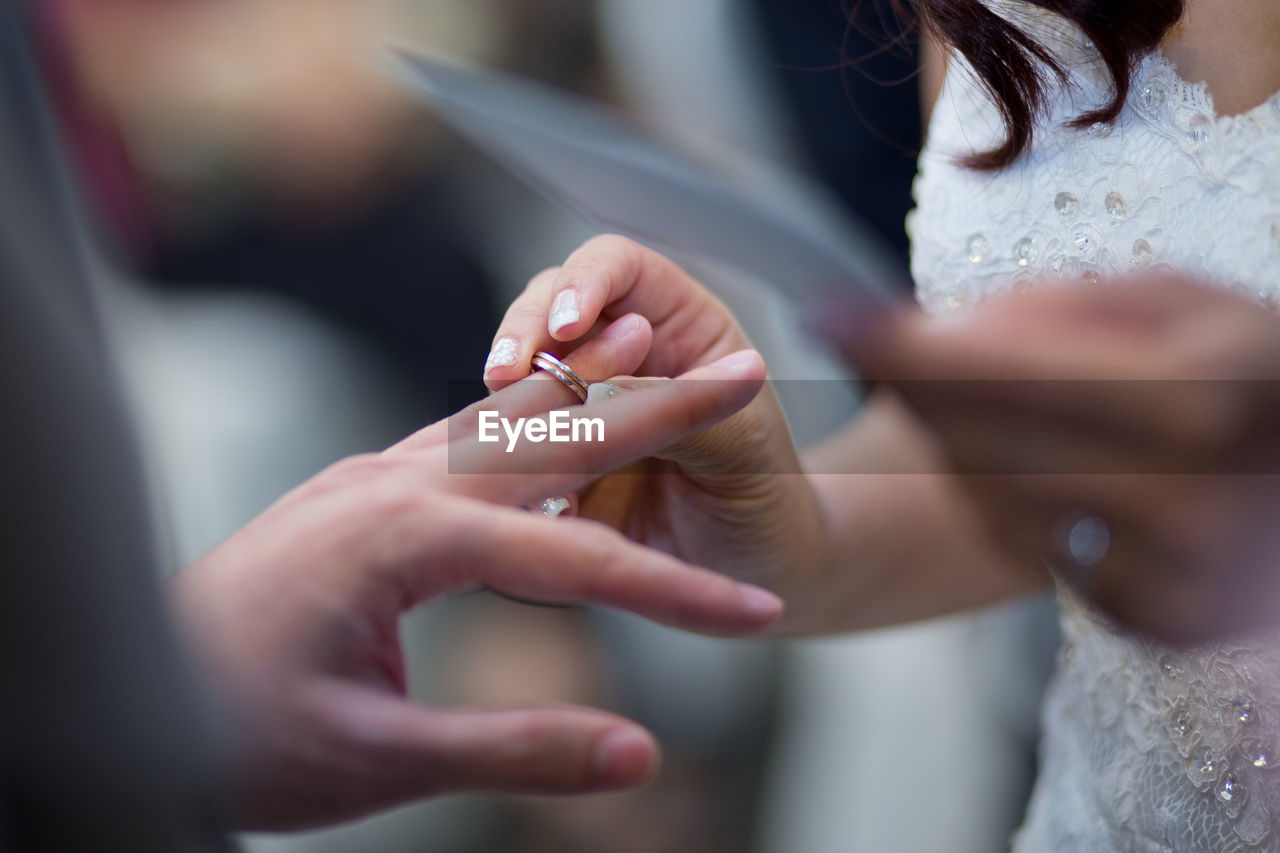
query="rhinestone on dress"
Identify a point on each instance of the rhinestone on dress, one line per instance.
(1205, 763)
(1026, 251)
(1081, 241)
(1245, 709)
(1255, 752)
(1142, 254)
(1180, 725)
(1170, 668)
(1066, 204)
(977, 248)
(1230, 789)
(1116, 208)
(1090, 277)
(1152, 97)
(1100, 129)
(1198, 132)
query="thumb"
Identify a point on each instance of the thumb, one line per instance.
(421, 751)
(359, 750)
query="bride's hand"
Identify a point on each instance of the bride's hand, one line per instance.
(1133, 423)
(730, 497)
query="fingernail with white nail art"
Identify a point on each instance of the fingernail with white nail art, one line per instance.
(600, 391)
(554, 507)
(564, 311)
(504, 352)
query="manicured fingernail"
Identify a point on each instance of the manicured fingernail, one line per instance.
(622, 756)
(554, 507)
(622, 328)
(504, 352)
(600, 391)
(760, 603)
(564, 311)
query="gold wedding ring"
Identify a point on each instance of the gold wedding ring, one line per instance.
(557, 368)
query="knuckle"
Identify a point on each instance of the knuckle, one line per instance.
(387, 499)
(531, 734)
(546, 756)
(606, 244)
(738, 443)
(606, 253)
(387, 484)
(597, 546)
(343, 474)
(748, 431)
(354, 469)
(546, 275)
(490, 553)
(526, 312)
(747, 435)
(596, 267)
(577, 572)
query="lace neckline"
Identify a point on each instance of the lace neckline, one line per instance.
(1157, 91)
(1185, 112)
(1193, 100)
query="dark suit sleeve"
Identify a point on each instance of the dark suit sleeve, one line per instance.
(104, 742)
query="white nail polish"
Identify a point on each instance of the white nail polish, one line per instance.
(564, 311)
(554, 507)
(600, 391)
(504, 352)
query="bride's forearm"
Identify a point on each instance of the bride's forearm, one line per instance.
(901, 541)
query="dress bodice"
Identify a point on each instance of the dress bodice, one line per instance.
(1145, 748)
(1170, 182)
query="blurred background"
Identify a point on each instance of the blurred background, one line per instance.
(301, 259)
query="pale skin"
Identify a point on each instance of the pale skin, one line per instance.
(858, 551)
(295, 617)
(1231, 47)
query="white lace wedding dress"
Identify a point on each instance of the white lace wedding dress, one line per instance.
(1145, 748)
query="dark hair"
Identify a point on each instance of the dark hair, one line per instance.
(1014, 67)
